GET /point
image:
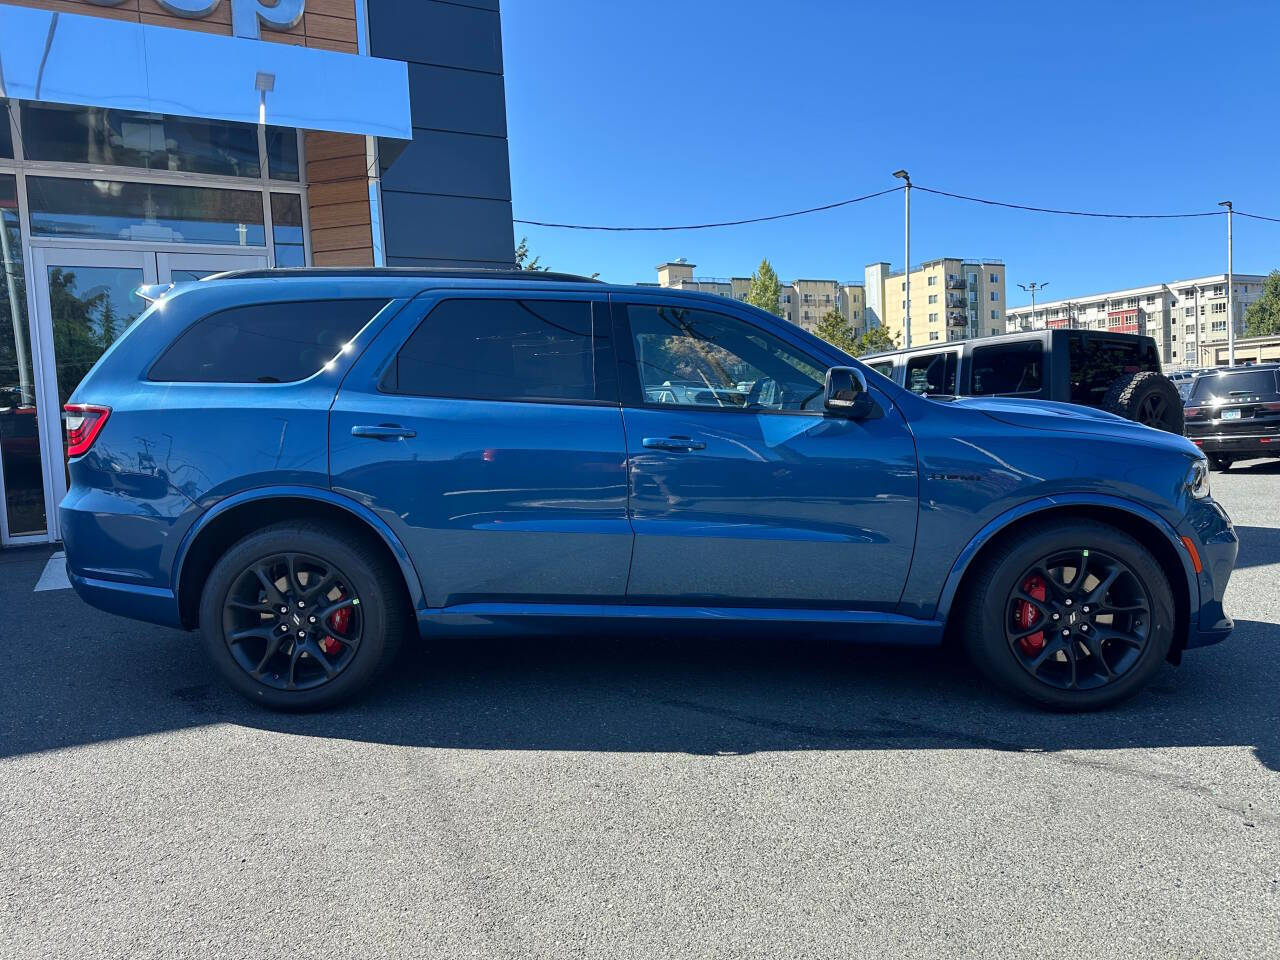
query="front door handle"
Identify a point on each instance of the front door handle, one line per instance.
(678, 444)
(384, 431)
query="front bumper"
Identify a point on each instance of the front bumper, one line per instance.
(1217, 544)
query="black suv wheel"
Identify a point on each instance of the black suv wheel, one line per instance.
(1148, 398)
(1075, 616)
(298, 617)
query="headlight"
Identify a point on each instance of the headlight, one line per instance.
(1198, 479)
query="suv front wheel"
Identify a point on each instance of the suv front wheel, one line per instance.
(298, 616)
(1077, 615)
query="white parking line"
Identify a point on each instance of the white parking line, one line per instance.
(54, 576)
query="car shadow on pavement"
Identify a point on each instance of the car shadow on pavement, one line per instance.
(80, 677)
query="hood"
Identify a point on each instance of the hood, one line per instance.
(1070, 418)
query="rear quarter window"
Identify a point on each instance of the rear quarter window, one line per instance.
(264, 343)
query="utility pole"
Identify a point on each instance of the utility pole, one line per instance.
(1032, 288)
(1231, 294)
(906, 271)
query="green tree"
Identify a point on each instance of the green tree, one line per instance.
(874, 340)
(834, 329)
(766, 291)
(523, 261)
(1262, 319)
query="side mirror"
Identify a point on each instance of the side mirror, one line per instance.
(847, 393)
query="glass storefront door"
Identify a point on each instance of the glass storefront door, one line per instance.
(84, 299)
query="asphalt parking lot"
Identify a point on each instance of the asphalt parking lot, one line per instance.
(637, 798)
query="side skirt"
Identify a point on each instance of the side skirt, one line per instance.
(517, 619)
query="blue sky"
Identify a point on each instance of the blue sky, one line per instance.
(677, 112)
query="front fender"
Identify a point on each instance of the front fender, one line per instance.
(1056, 502)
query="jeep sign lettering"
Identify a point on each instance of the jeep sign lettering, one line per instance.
(247, 16)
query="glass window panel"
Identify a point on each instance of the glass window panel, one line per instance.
(286, 230)
(696, 358)
(6, 132)
(126, 138)
(282, 153)
(1009, 368)
(500, 350)
(19, 424)
(264, 343)
(90, 307)
(149, 212)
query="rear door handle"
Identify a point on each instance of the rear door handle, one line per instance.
(678, 444)
(384, 431)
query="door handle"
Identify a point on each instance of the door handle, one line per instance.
(678, 444)
(384, 431)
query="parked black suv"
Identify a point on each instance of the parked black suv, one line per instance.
(1116, 372)
(1234, 413)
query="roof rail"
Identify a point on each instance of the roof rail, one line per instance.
(470, 273)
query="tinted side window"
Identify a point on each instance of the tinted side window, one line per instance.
(1096, 362)
(1008, 368)
(933, 373)
(499, 350)
(883, 367)
(697, 358)
(264, 343)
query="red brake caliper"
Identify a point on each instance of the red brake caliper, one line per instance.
(339, 622)
(1025, 615)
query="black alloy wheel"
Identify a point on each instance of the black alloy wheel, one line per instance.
(1070, 613)
(1157, 410)
(1078, 619)
(303, 614)
(292, 621)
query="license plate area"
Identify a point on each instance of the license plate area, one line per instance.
(1230, 414)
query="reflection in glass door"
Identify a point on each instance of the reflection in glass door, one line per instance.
(85, 299)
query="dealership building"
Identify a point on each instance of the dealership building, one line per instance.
(157, 141)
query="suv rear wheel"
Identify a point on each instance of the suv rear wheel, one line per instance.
(1220, 463)
(1148, 398)
(1076, 616)
(298, 616)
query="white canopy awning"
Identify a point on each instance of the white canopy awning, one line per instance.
(98, 62)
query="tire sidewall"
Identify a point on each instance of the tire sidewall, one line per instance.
(363, 579)
(991, 651)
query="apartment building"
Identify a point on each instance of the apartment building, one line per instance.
(802, 302)
(1186, 318)
(951, 299)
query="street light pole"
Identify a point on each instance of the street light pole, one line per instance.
(906, 271)
(1231, 294)
(1032, 288)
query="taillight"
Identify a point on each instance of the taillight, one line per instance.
(1190, 413)
(84, 423)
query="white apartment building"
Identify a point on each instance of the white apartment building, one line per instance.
(1186, 318)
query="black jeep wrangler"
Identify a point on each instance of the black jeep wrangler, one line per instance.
(1116, 372)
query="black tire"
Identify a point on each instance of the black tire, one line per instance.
(1148, 398)
(1222, 464)
(364, 581)
(1101, 669)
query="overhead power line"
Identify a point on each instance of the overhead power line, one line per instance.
(871, 196)
(1072, 213)
(708, 226)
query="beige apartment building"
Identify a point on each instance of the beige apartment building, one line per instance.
(1186, 318)
(951, 299)
(802, 302)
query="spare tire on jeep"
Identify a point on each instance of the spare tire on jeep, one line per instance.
(1148, 397)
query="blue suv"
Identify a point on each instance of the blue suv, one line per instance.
(305, 464)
